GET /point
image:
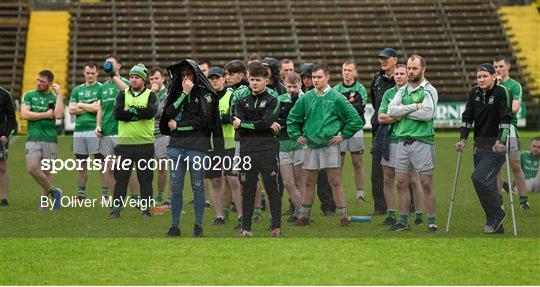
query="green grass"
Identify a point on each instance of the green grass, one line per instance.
(82, 246)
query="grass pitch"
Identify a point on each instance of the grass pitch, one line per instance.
(82, 246)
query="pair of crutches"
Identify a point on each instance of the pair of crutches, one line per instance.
(452, 199)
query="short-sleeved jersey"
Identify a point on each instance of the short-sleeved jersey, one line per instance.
(529, 164)
(514, 91)
(109, 91)
(87, 95)
(383, 109)
(44, 129)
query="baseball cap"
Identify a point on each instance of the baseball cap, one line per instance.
(486, 68)
(140, 71)
(388, 52)
(306, 69)
(215, 71)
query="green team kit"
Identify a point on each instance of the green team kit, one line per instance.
(324, 123)
(44, 129)
(85, 94)
(529, 164)
(109, 90)
(383, 109)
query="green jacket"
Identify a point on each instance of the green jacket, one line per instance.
(322, 118)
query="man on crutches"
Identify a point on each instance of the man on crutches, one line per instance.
(488, 108)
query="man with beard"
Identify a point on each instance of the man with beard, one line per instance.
(414, 104)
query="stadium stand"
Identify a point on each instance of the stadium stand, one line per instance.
(454, 36)
(13, 27)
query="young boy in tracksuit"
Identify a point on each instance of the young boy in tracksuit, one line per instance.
(254, 121)
(488, 108)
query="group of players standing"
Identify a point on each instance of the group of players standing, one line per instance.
(284, 129)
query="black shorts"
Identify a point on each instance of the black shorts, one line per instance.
(214, 171)
(230, 170)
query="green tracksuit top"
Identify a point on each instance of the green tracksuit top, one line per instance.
(323, 117)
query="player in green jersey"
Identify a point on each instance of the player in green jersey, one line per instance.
(84, 104)
(107, 125)
(41, 107)
(415, 105)
(356, 94)
(529, 163)
(502, 67)
(400, 76)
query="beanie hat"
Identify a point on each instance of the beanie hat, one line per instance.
(140, 71)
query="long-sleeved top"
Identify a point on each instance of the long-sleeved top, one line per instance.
(491, 114)
(134, 113)
(8, 124)
(193, 115)
(257, 113)
(323, 117)
(379, 84)
(416, 120)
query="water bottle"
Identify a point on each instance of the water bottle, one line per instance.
(108, 68)
(360, 218)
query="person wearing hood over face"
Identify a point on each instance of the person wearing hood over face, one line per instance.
(274, 77)
(134, 110)
(187, 117)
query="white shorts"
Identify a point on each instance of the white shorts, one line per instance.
(43, 150)
(321, 158)
(160, 146)
(514, 145)
(418, 155)
(355, 144)
(85, 143)
(107, 145)
(292, 157)
(531, 185)
(392, 159)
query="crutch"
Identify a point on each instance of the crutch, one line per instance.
(510, 185)
(453, 192)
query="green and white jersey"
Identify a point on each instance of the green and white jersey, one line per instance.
(44, 129)
(416, 122)
(109, 91)
(383, 109)
(85, 94)
(529, 164)
(514, 90)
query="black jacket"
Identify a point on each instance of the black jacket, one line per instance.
(491, 114)
(276, 85)
(8, 124)
(195, 115)
(284, 110)
(257, 114)
(379, 85)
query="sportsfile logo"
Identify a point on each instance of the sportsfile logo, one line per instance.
(108, 202)
(235, 163)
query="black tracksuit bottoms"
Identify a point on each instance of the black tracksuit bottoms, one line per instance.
(144, 175)
(487, 165)
(267, 164)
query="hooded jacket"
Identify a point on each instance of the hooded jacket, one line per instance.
(195, 114)
(276, 85)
